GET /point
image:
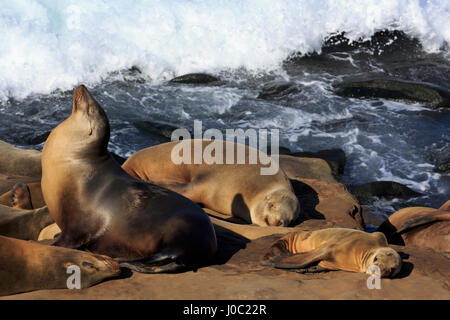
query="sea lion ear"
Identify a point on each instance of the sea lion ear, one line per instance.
(80, 99)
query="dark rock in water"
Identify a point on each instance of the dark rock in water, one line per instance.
(161, 129)
(38, 139)
(195, 78)
(370, 217)
(428, 94)
(443, 167)
(381, 189)
(392, 44)
(281, 150)
(120, 160)
(277, 90)
(335, 158)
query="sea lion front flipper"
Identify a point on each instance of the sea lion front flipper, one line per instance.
(301, 260)
(313, 269)
(423, 220)
(21, 197)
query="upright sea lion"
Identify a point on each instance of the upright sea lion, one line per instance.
(27, 266)
(234, 189)
(419, 226)
(335, 249)
(23, 224)
(99, 206)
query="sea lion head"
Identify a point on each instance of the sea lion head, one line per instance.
(93, 268)
(278, 209)
(388, 260)
(89, 121)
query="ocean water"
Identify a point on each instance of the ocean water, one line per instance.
(49, 47)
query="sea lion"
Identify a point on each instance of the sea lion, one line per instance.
(23, 224)
(24, 196)
(334, 249)
(233, 189)
(17, 161)
(419, 226)
(28, 266)
(99, 206)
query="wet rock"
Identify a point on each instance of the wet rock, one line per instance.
(309, 168)
(335, 158)
(162, 130)
(382, 189)
(195, 78)
(443, 167)
(428, 94)
(120, 160)
(37, 139)
(277, 90)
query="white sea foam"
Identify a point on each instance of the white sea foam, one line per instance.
(47, 44)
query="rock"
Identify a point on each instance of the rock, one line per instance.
(320, 196)
(195, 78)
(277, 90)
(335, 158)
(306, 168)
(16, 161)
(281, 150)
(37, 139)
(330, 201)
(382, 189)
(425, 275)
(428, 94)
(162, 130)
(120, 160)
(371, 218)
(443, 167)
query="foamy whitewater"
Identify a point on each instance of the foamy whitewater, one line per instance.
(49, 47)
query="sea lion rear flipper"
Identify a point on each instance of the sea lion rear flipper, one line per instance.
(158, 263)
(423, 220)
(300, 260)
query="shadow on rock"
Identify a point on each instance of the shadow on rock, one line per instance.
(308, 199)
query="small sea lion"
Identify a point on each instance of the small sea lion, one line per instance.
(27, 266)
(238, 190)
(99, 206)
(419, 226)
(334, 249)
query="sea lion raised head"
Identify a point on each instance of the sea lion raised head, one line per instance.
(278, 209)
(388, 260)
(94, 125)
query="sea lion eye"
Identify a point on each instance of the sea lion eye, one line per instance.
(87, 265)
